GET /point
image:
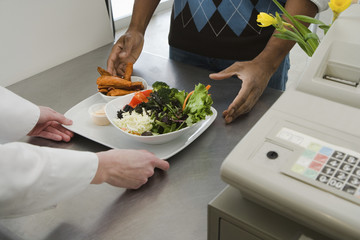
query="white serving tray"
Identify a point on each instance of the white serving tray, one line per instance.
(83, 125)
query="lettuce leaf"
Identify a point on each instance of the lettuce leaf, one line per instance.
(198, 105)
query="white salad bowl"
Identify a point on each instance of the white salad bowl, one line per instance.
(114, 106)
(133, 79)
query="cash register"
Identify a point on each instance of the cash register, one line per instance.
(296, 174)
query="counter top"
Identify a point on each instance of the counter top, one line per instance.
(173, 204)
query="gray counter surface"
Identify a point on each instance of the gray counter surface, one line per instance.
(173, 204)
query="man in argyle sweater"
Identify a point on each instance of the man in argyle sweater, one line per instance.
(223, 36)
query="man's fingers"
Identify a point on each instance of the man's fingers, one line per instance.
(63, 130)
(222, 75)
(236, 109)
(48, 114)
(120, 69)
(60, 118)
(158, 163)
(110, 67)
(162, 164)
(65, 121)
(57, 133)
(240, 99)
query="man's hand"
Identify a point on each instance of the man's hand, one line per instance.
(49, 126)
(127, 168)
(256, 74)
(254, 81)
(126, 49)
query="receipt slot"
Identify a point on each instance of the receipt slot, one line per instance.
(301, 161)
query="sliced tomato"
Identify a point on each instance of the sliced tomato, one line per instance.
(147, 92)
(135, 101)
(140, 97)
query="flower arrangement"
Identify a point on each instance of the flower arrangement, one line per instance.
(294, 30)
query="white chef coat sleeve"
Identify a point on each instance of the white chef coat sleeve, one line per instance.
(18, 116)
(34, 178)
(321, 4)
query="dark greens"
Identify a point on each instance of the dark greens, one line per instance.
(165, 106)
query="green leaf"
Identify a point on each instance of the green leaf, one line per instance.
(180, 96)
(308, 19)
(302, 29)
(288, 35)
(295, 36)
(325, 28)
(311, 36)
(306, 50)
(285, 36)
(279, 20)
(198, 105)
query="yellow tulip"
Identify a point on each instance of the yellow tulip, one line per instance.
(265, 19)
(338, 6)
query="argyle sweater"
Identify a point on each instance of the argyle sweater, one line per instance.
(225, 29)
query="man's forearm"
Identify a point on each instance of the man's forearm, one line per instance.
(276, 48)
(142, 13)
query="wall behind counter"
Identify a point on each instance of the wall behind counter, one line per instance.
(39, 34)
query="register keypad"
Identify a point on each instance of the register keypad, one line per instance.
(327, 164)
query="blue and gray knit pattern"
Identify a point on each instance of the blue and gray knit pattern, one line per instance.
(236, 13)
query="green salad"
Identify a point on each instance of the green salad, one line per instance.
(164, 109)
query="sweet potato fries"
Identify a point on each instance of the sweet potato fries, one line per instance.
(117, 86)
